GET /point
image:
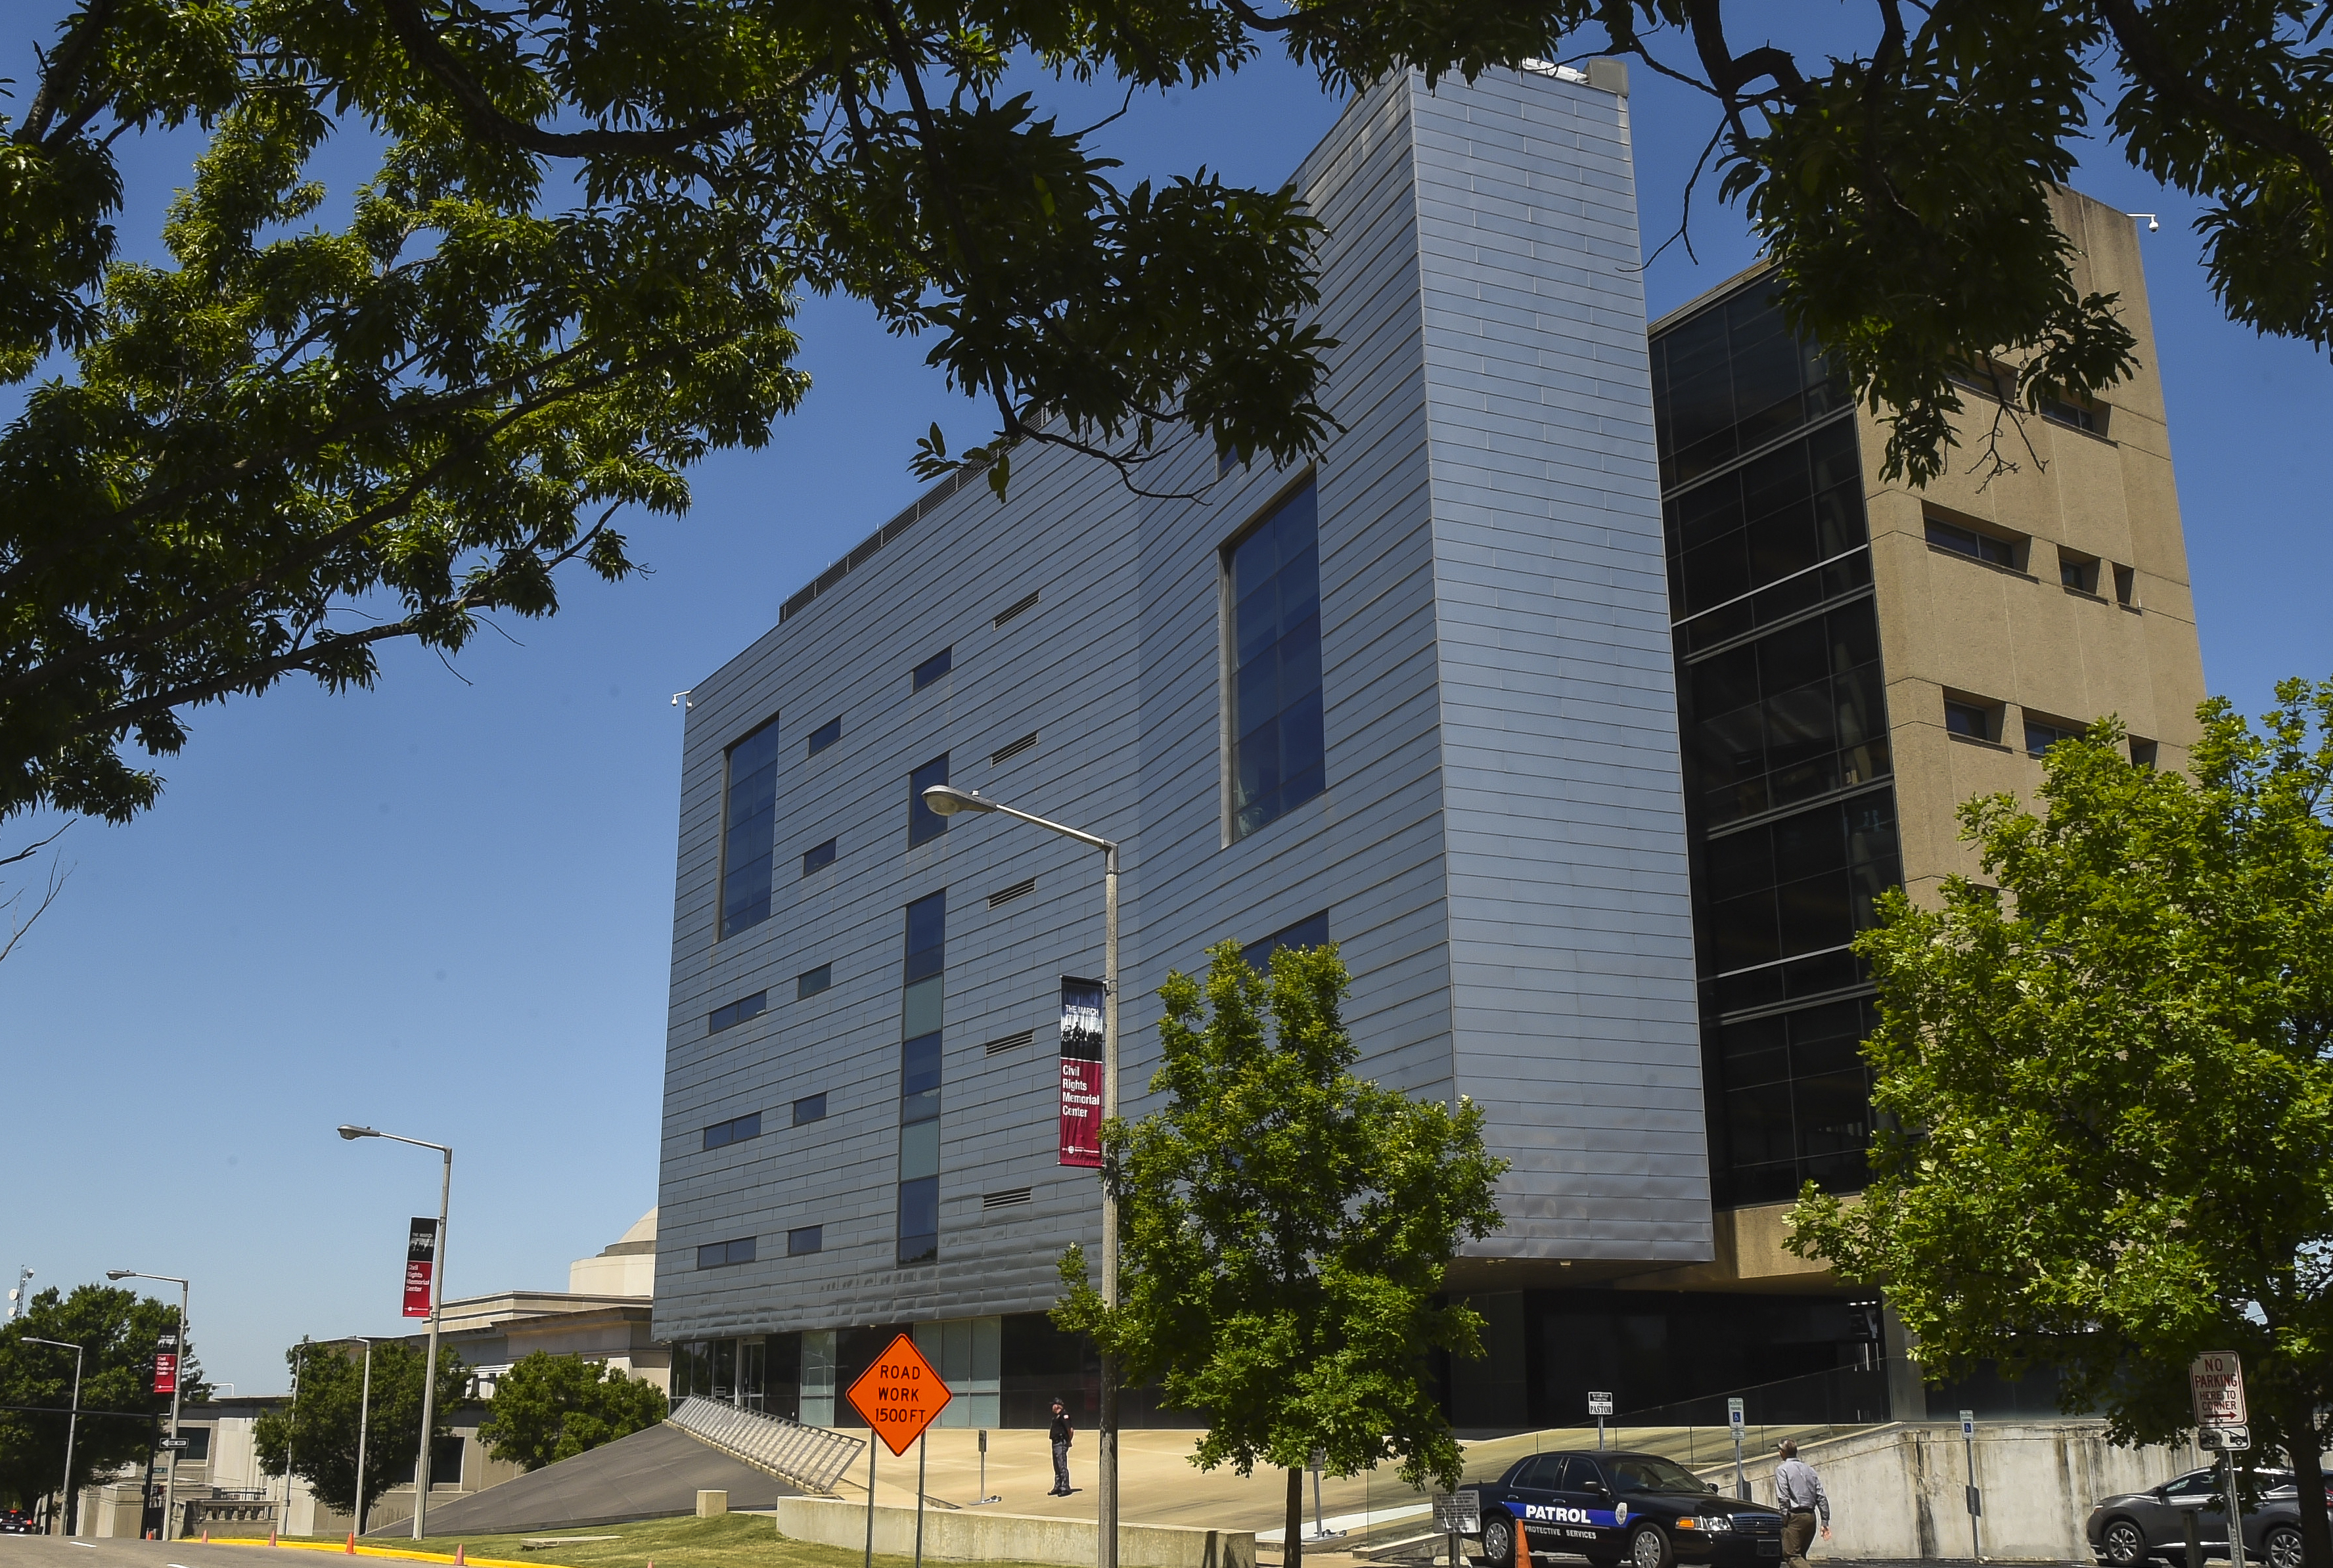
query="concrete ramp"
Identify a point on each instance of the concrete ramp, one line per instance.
(655, 1473)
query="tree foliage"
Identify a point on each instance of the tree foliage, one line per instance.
(549, 1408)
(2115, 1081)
(119, 1331)
(315, 1435)
(328, 419)
(1286, 1227)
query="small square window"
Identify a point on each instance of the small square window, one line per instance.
(1967, 541)
(2142, 752)
(1312, 931)
(722, 1253)
(818, 857)
(736, 1012)
(1970, 719)
(2040, 734)
(933, 668)
(2090, 416)
(805, 1239)
(810, 1108)
(826, 735)
(813, 981)
(2125, 581)
(2079, 572)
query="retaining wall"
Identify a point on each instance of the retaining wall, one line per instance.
(974, 1534)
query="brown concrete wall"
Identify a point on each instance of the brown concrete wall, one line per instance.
(2013, 634)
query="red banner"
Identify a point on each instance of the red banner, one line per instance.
(1081, 1006)
(166, 1372)
(1080, 1112)
(420, 1265)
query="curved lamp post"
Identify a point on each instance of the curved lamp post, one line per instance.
(171, 1481)
(947, 800)
(73, 1421)
(437, 1313)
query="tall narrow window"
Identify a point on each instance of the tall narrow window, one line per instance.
(1278, 747)
(749, 816)
(923, 822)
(920, 1005)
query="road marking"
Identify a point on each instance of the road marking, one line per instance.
(82, 1544)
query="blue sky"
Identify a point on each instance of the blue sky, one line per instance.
(444, 907)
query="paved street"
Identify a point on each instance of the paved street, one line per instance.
(43, 1552)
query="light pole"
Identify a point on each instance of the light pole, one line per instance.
(178, 1380)
(291, 1436)
(73, 1421)
(437, 1312)
(947, 800)
(364, 1415)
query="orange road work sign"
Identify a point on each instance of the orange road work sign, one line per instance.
(900, 1395)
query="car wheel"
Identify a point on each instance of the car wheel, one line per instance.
(1649, 1548)
(2282, 1547)
(1499, 1541)
(2123, 1543)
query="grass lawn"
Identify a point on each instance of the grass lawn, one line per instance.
(732, 1541)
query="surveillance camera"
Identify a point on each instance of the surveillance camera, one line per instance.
(2152, 225)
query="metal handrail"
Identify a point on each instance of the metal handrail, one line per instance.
(811, 1457)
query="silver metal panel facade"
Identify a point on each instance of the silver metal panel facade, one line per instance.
(1500, 847)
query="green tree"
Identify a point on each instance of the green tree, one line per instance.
(315, 1435)
(1286, 1227)
(119, 1331)
(2116, 1077)
(574, 272)
(549, 1408)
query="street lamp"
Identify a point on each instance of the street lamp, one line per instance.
(178, 1380)
(947, 800)
(65, 1497)
(437, 1312)
(364, 1414)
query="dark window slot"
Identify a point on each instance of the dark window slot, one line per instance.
(1018, 608)
(736, 1012)
(1020, 889)
(1013, 748)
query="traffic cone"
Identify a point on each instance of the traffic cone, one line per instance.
(271, 1534)
(458, 1559)
(352, 1544)
(207, 1534)
(1523, 1546)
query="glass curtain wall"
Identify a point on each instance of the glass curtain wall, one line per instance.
(1790, 800)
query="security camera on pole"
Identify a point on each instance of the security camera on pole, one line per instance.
(2216, 1379)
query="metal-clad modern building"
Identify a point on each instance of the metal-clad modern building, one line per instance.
(1420, 697)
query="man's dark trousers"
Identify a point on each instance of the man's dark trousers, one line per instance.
(1062, 1464)
(1798, 1533)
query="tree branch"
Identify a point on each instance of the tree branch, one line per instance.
(62, 70)
(2169, 80)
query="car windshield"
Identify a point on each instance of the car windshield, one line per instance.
(1644, 1473)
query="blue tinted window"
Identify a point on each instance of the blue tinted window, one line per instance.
(933, 668)
(919, 1078)
(923, 822)
(819, 857)
(736, 1012)
(808, 1238)
(749, 815)
(810, 1108)
(814, 982)
(735, 1131)
(721, 1253)
(1312, 931)
(825, 735)
(927, 936)
(919, 1219)
(1278, 747)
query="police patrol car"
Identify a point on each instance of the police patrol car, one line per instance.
(1612, 1508)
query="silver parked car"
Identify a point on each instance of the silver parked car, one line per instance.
(2133, 1528)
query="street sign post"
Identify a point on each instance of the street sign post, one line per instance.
(1457, 1514)
(1599, 1405)
(175, 1445)
(1975, 1499)
(1734, 1419)
(2216, 1379)
(900, 1396)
